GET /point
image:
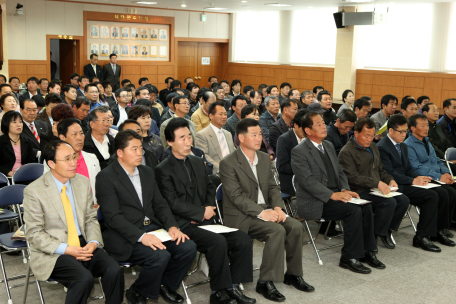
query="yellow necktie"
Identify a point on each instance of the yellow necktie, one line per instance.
(73, 238)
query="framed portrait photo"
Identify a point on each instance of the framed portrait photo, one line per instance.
(144, 51)
(163, 51)
(134, 33)
(94, 48)
(115, 48)
(115, 30)
(94, 31)
(153, 34)
(144, 34)
(125, 52)
(135, 50)
(104, 50)
(163, 36)
(125, 32)
(153, 51)
(104, 32)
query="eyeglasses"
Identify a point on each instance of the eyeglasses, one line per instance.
(69, 159)
(401, 132)
(123, 96)
(31, 110)
(104, 121)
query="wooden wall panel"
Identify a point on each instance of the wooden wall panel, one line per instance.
(375, 83)
(301, 78)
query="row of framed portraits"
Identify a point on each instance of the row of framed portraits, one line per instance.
(127, 50)
(131, 33)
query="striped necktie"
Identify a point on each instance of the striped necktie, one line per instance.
(35, 133)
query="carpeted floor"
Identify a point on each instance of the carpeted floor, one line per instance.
(411, 276)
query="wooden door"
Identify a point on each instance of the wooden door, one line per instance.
(67, 62)
(187, 57)
(189, 61)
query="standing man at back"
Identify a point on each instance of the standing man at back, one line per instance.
(93, 69)
(112, 71)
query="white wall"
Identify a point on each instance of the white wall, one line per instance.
(27, 33)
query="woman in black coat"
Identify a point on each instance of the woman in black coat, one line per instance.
(15, 149)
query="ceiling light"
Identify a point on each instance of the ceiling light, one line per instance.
(244, 1)
(212, 8)
(277, 4)
(183, 5)
(145, 2)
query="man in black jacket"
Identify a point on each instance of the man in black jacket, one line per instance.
(93, 69)
(288, 108)
(32, 128)
(132, 206)
(325, 99)
(448, 120)
(184, 183)
(434, 204)
(337, 132)
(436, 136)
(285, 144)
(97, 140)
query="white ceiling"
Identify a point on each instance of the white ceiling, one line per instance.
(234, 6)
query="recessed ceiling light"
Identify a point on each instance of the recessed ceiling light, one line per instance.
(244, 1)
(183, 5)
(212, 8)
(277, 4)
(145, 2)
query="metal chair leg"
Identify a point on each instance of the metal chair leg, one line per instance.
(187, 299)
(313, 243)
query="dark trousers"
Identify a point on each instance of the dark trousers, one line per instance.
(78, 276)
(229, 255)
(358, 222)
(451, 190)
(430, 207)
(168, 266)
(388, 212)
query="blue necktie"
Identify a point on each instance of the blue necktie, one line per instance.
(398, 147)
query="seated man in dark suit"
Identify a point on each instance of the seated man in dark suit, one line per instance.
(434, 205)
(32, 128)
(133, 206)
(323, 192)
(253, 204)
(363, 167)
(285, 144)
(338, 131)
(97, 140)
(184, 183)
(288, 108)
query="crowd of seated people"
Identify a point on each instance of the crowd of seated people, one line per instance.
(153, 159)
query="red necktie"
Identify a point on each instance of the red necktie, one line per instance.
(35, 133)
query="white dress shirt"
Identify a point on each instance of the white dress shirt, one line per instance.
(122, 115)
(261, 200)
(297, 137)
(102, 147)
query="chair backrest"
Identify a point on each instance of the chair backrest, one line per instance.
(450, 154)
(28, 172)
(293, 182)
(3, 179)
(12, 195)
(218, 202)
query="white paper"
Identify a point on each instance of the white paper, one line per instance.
(391, 188)
(391, 194)
(442, 183)
(218, 228)
(428, 186)
(161, 234)
(358, 201)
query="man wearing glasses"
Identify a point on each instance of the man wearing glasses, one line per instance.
(35, 128)
(98, 141)
(182, 107)
(120, 110)
(91, 92)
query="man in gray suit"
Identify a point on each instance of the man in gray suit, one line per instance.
(111, 72)
(253, 204)
(63, 230)
(322, 191)
(215, 142)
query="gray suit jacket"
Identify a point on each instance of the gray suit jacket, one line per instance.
(46, 226)
(311, 178)
(207, 141)
(240, 189)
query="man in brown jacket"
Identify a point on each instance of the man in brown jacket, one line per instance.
(362, 165)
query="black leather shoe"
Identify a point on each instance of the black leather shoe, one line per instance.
(269, 291)
(444, 240)
(354, 265)
(448, 233)
(298, 283)
(170, 296)
(221, 297)
(371, 259)
(133, 297)
(388, 240)
(425, 243)
(237, 294)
